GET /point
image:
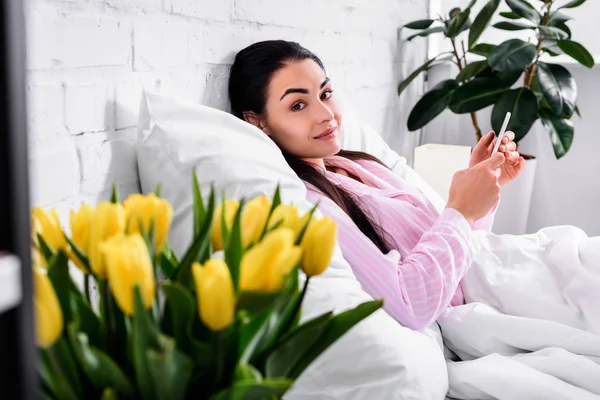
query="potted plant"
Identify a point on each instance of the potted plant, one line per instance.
(510, 76)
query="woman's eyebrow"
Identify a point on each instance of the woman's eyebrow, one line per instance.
(301, 90)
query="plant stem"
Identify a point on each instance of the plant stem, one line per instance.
(86, 285)
(530, 71)
(220, 358)
(57, 367)
(460, 68)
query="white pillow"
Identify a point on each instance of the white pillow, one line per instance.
(376, 359)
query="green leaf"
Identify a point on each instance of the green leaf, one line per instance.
(114, 194)
(552, 32)
(561, 133)
(167, 262)
(170, 369)
(282, 361)
(426, 32)
(45, 249)
(476, 95)
(573, 4)
(267, 389)
(457, 23)
(53, 376)
(471, 70)
(525, 10)
(89, 323)
(558, 87)
(523, 105)
(431, 104)
(577, 111)
(482, 49)
(274, 204)
(158, 189)
(510, 15)
(563, 27)
(550, 46)
(513, 26)
(254, 303)
(58, 272)
(199, 210)
(144, 336)
(183, 312)
(78, 253)
(558, 18)
(198, 247)
(310, 213)
(246, 373)
(234, 248)
(425, 67)
(100, 369)
(482, 20)
(420, 24)
(577, 51)
(65, 357)
(512, 55)
(338, 326)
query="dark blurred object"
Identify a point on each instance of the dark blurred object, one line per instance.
(18, 358)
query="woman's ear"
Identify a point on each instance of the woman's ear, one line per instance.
(255, 119)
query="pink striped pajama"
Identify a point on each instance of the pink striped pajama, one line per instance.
(433, 251)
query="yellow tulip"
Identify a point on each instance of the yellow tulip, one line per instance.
(288, 215)
(48, 314)
(48, 226)
(108, 220)
(81, 228)
(37, 259)
(216, 234)
(265, 266)
(145, 210)
(128, 264)
(254, 219)
(318, 244)
(216, 298)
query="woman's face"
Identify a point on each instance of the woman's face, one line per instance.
(302, 116)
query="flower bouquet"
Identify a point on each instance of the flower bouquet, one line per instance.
(221, 322)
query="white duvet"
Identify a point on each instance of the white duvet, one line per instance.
(531, 328)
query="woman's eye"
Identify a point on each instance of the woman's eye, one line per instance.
(326, 94)
(298, 106)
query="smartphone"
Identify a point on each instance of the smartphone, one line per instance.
(502, 132)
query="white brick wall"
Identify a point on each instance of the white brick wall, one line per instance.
(88, 61)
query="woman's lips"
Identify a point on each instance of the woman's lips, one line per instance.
(328, 134)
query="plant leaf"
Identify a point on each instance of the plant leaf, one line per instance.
(144, 336)
(198, 247)
(510, 15)
(109, 394)
(170, 369)
(558, 87)
(482, 49)
(577, 111)
(513, 26)
(114, 194)
(525, 10)
(101, 370)
(523, 105)
(577, 51)
(471, 70)
(561, 133)
(52, 376)
(244, 390)
(457, 23)
(431, 104)
(512, 55)
(482, 20)
(246, 373)
(558, 18)
(552, 32)
(338, 326)
(426, 32)
(420, 24)
(550, 46)
(234, 249)
(425, 67)
(476, 94)
(573, 4)
(198, 204)
(58, 272)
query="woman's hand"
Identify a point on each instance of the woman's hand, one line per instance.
(514, 165)
(476, 190)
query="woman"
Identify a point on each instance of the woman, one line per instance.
(399, 247)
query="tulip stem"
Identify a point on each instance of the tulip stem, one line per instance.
(86, 285)
(57, 367)
(220, 357)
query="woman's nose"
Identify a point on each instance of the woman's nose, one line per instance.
(325, 114)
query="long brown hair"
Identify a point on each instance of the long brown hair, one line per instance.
(248, 83)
